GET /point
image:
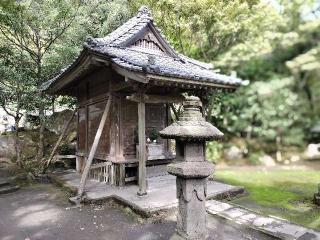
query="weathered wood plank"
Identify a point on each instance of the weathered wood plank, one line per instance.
(122, 174)
(99, 165)
(94, 148)
(65, 156)
(130, 75)
(142, 148)
(130, 179)
(175, 112)
(148, 98)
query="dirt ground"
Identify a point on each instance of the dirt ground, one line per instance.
(42, 211)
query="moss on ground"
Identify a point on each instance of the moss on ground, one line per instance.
(286, 194)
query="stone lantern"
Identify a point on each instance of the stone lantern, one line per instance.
(192, 170)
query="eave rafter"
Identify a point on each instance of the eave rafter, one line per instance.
(187, 84)
(152, 98)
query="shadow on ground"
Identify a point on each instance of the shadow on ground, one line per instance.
(43, 212)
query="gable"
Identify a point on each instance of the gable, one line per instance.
(140, 33)
(149, 42)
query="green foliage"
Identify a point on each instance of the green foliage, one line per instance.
(213, 151)
(66, 101)
(205, 28)
(254, 157)
(275, 47)
(258, 41)
(37, 39)
(16, 82)
(50, 34)
(154, 134)
(265, 111)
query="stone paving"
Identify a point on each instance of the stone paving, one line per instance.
(275, 227)
(161, 192)
(162, 196)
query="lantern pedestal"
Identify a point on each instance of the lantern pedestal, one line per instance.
(191, 133)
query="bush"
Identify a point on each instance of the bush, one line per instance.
(214, 151)
(65, 149)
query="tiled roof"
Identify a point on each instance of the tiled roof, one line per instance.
(126, 31)
(162, 65)
(115, 48)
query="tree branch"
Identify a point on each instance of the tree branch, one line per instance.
(6, 110)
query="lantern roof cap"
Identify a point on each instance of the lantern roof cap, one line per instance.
(191, 126)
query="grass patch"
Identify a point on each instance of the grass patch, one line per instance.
(286, 194)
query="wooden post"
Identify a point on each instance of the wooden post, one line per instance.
(174, 111)
(142, 149)
(122, 174)
(47, 163)
(94, 148)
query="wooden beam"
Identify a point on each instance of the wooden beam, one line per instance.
(142, 149)
(148, 98)
(65, 156)
(174, 110)
(99, 60)
(164, 80)
(119, 86)
(129, 74)
(94, 147)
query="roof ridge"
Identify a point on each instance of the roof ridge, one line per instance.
(149, 53)
(144, 10)
(143, 17)
(129, 29)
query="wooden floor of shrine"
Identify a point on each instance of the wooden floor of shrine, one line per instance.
(161, 191)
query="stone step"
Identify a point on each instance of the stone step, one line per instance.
(275, 227)
(9, 189)
(4, 183)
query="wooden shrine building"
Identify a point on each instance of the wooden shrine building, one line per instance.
(125, 84)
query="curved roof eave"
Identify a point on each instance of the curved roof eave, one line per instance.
(88, 58)
(75, 70)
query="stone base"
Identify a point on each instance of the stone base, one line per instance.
(80, 161)
(76, 200)
(161, 192)
(141, 194)
(191, 219)
(176, 236)
(9, 189)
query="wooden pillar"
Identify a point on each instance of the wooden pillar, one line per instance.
(142, 148)
(118, 125)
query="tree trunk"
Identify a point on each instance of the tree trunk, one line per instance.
(278, 153)
(53, 105)
(40, 153)
(17, 141)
